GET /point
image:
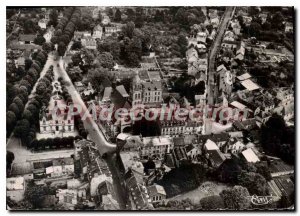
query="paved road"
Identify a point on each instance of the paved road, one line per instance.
(96, 136)
(211, 88)
(92, 128)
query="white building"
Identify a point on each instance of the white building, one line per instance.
(157, 193)
(15, 188)
(250, 156)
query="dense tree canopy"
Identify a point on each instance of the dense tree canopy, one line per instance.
(236, 198)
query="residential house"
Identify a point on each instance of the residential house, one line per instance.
(284, 95)
(198, 67)
(229, 44)
(191, 55)
(97, 32)
(201, 47)
(172, 128)
(263, 17)
(240, 51)
(138, 194)
(192, 151)
(78, 35)
(229, 36)
(214, 18)
(201, 36)
(61, 167)
(212, 34)
(154, 147)
(89, 42)
(70, 197)
(250, 156)
(49, 33)
(130, 162)
(43, 23)
(234, 146)
(105, 20)
(20, 62)
(226, 79)
(88, 160)
(157, 193)
(193, 127)
(213, 153)
(15, 188)
(109, 30)
(236, 27)
(288, 111)
(289, 27)
(179, 156)
(215, 21)
(247, 20)
(26, 38)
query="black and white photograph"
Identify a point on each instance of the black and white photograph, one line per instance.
(150, 108)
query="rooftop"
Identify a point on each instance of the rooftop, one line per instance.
(250, 85)
(250, 156)
(156, 189)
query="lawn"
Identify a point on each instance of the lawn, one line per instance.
(206, 189)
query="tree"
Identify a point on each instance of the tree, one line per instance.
(254, 29)
(263, 169)
(48, 47)
(22, 128)
(39, 40)
(35, 194)
(27, 115)
(76, 59)
(53, 17)
(9, 159)
(277, 139)
(253, 11)
(29, 27)
(139, 21)
(212, 203)
(133, 60)
(76, 45)
(118, 16)
(96, 76)
(105, 60)
(41, 88)
(54, 39)
(15, 109)
(36, 65)
(128, 29)
(183, 44)
(28, 63)
(10, 121)
(41, 58)
(236, 198)
(61, 49)
(19, 103)
(33, 109)
(110, 45)
(254, 182)
(277, 20)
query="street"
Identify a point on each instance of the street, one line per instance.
(96, 135)
(212, 89)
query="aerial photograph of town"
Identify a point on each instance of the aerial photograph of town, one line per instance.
(153, 108)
